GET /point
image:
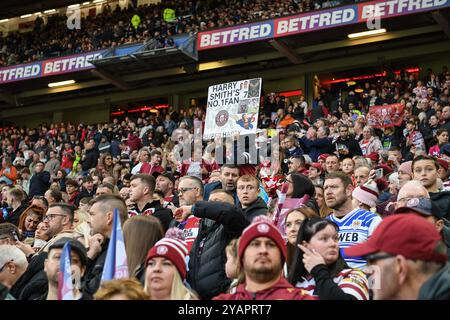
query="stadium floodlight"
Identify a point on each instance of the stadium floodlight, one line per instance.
(366, 33)
(98, 1)
(37, 13)
(25, 16)
(4, 20)
(50, 11)
(86, 3)
(73, 6)
(61, 83)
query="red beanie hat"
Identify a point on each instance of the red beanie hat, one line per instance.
(262, 226)
(173, 249)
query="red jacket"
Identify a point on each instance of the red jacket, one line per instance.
(134, 142)
(149, 169)
(282, 290)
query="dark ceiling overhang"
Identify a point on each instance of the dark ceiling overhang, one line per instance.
(16, 8)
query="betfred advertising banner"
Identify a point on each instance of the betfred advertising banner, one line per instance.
(49, 67)
(232, 107)
(314, 20)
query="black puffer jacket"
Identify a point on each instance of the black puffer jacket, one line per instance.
(33, 282)
(90, 160)
(223, 223)
(257, 208)
(94, 271)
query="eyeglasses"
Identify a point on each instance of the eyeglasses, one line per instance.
(371, 258)
(183, 190)
(52, 216)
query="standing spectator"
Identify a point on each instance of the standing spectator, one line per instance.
(319, 268)
(345, 145)
(370, 142)
(15, 200)
(262, 252)
(101, 223)
(441, 139)
(142, 188)
(191, 191)
(154, 165)
(52, 165)
(247, 190)
(25, 175)
(88, 189)
(104, 146)
(143, 157)
(165, 182)
(221, 222)
(140, 234)
(33, 283)
(229, 174)
(90, 158)
(8, 173)
(40, 181)
(361, 175)
(78, 258)
(338, 197)
(294, 219)
(410, 257)
(332, 163)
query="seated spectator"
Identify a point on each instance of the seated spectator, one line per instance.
(260, 245)
(13, 264)
(414, 246)
(28, 222)
(121, 289)
(319, 268)
(166, 269)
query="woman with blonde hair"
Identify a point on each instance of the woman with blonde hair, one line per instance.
(121, 289)
(140, 234)
(166, 269)
(232, 266)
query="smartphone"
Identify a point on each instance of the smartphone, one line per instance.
(15, 236)
(379, 173)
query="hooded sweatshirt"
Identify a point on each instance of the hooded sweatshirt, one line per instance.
(437, 287)
(282, 290)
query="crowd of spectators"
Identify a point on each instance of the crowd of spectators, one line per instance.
(199, 229)
(112, 28)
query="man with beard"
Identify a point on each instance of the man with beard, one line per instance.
(165, 183)
(141, 195)
(78, 261)
(33, 283)
(229, 174)
(190, 190)
(262, 253)
(355, 225)
(346, 146)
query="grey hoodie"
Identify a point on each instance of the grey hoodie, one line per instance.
(437, 287)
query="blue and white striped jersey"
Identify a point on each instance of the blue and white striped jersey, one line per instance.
(355, 227)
